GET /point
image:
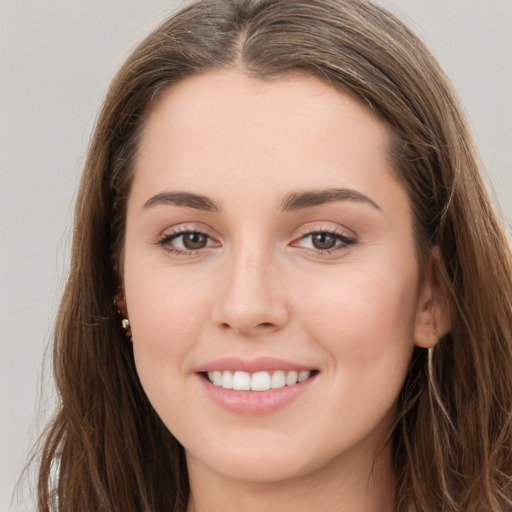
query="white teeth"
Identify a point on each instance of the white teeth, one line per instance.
(258, 381)
(303, 376)
(216, 378)
(242, 381)
(291, 378)
(227, 380)
(278, 380)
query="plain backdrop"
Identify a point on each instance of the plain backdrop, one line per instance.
(56, 60)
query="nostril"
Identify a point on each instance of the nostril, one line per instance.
(264, 326)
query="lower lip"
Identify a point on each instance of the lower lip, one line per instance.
(255, 402)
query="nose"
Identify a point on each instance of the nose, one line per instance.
(252, 299)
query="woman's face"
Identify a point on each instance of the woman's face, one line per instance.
(269, 247)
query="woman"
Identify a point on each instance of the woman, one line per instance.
(288, 288)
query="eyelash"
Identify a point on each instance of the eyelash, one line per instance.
(165, 241)
(343, 240)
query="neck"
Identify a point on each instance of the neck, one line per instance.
(348, 484)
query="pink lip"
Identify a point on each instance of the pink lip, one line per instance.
(253, 403)
(252, 365)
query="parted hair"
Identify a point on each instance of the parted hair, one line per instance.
(106, 449)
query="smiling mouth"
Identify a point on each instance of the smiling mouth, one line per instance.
(257, 381)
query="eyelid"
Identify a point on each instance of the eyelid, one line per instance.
(337, 231)
(344, 239)
(169, 234)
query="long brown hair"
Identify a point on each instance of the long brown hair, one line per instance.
(106, 449)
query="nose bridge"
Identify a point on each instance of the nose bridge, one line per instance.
(250, 299)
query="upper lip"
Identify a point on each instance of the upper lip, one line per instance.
(251, 365)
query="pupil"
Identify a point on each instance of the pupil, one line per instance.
(324, 241)
(194, 240)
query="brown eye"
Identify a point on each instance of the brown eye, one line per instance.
(186, 242)
(323, 241)
(194, 241)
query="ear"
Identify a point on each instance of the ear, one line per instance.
(433, 317)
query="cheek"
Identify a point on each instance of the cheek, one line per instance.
(163, 301)
(166, 312)
(365, 320)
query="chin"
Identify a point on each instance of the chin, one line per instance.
(271, 461)
(258, 470)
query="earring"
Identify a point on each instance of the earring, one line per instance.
(430, 352)
(125, 323)
(121, 309)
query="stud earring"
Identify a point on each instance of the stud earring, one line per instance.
(125, 323)
(121, 309)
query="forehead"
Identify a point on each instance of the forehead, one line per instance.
(270, 103)
(225, 128)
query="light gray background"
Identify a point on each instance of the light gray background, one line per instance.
(56, 60)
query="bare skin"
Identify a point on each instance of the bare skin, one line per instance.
(266, 227)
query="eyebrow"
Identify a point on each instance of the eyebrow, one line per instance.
(293, 202)
(299, 201)
(185, 199)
